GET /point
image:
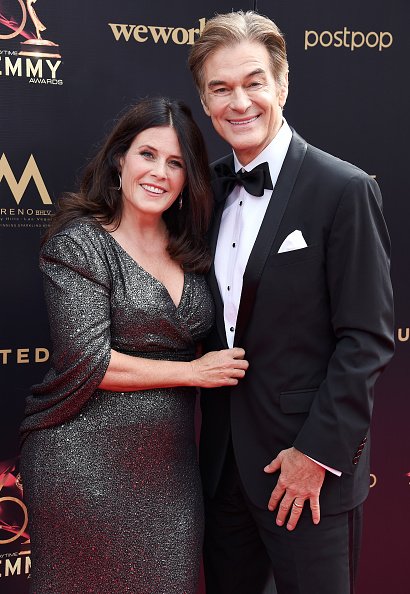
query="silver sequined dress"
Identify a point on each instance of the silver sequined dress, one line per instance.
(111, 479)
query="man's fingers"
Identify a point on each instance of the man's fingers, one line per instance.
(275, 497)
(288, 509)
(296, 512)
(293, 511)
(315, 509)
(272, 466)
(283, 510)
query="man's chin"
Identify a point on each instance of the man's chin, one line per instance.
(244, 143)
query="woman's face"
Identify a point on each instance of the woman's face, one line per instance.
(153, 172)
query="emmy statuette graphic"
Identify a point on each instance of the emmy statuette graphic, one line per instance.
(38, 47)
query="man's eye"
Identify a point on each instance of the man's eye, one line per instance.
(220, 91)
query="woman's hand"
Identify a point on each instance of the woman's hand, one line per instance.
(219, 368)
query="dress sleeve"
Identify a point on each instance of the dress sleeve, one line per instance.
(77, 287)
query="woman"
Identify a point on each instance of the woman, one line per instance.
(108, 459)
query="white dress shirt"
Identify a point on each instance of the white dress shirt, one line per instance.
(241, 220)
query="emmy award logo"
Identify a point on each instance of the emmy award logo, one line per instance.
(13, 512)
(38, 47)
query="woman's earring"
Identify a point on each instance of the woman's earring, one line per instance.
(120, 182)
(180, 201)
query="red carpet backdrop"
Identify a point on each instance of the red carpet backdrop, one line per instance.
(349, 94)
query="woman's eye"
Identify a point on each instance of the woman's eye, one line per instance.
(146, 154)
(178, 164)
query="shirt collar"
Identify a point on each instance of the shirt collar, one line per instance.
(274, 154)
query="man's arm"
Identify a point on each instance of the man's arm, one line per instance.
(361, 302)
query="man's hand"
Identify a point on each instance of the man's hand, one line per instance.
(300, 480)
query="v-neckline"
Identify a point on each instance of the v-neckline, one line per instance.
(177, 306)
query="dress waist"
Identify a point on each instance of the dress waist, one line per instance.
(180, 355)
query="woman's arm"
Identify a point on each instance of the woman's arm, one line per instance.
(221, 368)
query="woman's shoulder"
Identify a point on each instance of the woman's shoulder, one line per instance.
(83, 231)
(81, 240)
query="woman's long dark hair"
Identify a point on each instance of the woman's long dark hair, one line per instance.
(99, 197)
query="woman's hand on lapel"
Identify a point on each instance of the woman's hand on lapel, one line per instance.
(219, 368)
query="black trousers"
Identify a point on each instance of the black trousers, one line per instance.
(245, 552)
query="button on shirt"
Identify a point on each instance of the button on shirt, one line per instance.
(241, 220)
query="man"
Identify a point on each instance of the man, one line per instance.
(301, 282)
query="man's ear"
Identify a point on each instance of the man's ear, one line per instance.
(206, 110)
(283, 93)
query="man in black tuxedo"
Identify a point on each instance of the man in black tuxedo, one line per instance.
(301, 282)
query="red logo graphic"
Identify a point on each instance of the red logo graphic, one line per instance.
(13, 512)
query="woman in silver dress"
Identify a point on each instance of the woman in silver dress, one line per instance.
(108, 458)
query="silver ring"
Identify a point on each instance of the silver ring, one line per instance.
(297, 505)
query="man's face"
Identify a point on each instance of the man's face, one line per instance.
(242, 98)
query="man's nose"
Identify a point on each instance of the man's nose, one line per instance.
(240, 100)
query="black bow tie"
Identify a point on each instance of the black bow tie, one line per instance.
(254, 181)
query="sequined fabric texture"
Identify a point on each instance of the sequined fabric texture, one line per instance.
(111, 479)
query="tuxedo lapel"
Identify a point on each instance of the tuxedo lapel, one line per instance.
(268, 231)
(219, 306)
(213, 238)
(219, 205)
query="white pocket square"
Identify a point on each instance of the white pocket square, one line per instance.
(294, 241)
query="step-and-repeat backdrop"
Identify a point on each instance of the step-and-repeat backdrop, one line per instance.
(349, 94)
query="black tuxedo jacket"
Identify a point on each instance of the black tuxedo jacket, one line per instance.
(317, 327)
